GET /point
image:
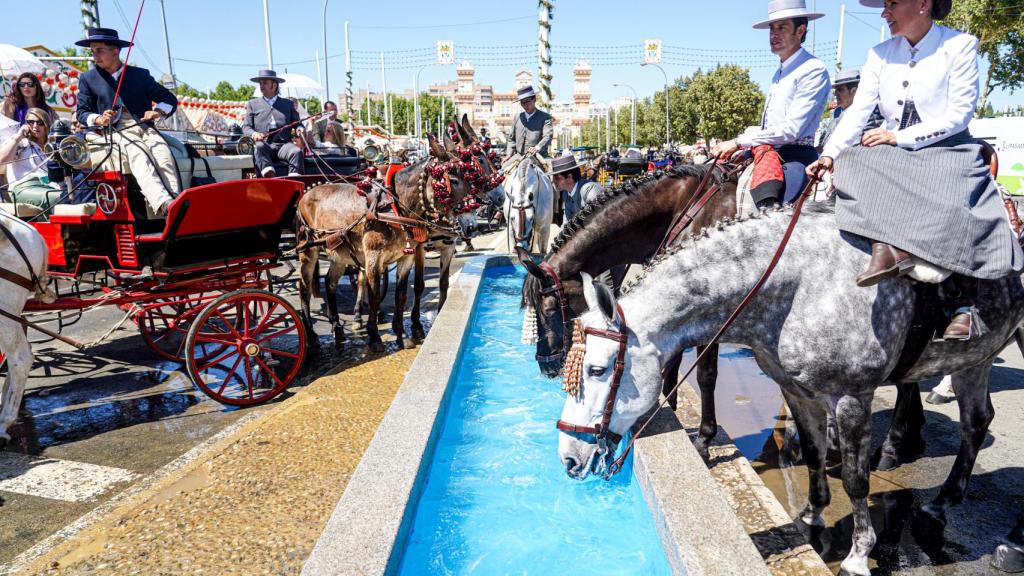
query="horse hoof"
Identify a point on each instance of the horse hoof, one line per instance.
(1008, 558)
(418, 333)
(407, 343)
(702, 449)
(3, 443)
(339, 334)
(376, 346)
(929, 522)
(936, 398)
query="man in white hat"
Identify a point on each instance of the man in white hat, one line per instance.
(796, 100)
(532, 129)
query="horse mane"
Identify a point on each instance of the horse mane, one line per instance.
(819, 208)
(627, 189)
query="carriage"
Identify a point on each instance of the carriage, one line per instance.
(197, 284)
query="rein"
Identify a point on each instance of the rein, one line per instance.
(616, 465)
(563, 303)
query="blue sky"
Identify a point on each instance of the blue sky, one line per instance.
(230, 33)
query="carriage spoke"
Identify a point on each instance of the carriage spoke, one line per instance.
(248, 375)
(205, 338)
(269, 371)
(280, 353)
(227, 324)
(217, 360)
(281, 332)
(266, 318)
(230, 374)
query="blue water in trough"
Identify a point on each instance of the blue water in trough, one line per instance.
(495, 499)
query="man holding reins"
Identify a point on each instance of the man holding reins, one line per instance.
(796, 100)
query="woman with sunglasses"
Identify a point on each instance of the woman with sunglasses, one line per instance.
(23, 155)
(26, 93)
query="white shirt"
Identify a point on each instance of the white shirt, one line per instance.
(270, 102)
(29, 161)
(796, 100)
(528, 116)
(939, 75)
(161, 106)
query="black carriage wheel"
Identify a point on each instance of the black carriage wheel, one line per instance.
(261, 345)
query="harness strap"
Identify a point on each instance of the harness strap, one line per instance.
(33, 282)
(797, 206)
(685, 218)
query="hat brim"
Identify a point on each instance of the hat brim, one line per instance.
(845, 82)
(561, 170)
(788, 15)
(116, 42)
(873, 3)
(257, 79)
(525, 96)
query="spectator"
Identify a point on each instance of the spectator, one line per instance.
(26, 93)
(26, 168)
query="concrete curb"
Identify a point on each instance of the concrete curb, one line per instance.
(698, 528)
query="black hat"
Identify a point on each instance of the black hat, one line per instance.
(563, 164)
(105, 35)
(266, 75)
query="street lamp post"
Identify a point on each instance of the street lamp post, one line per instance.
(632, 126)
(416, 100)
(327, 62)
(667, 144)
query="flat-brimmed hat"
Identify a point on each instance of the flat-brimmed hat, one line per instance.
(847, 77)
(873, 3)
(524, 93)
(105, 35)
(563, 164)
(266, 74)
(786, 10)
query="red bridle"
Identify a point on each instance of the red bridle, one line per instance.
(601, 431)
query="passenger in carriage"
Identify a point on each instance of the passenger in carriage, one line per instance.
(131, 118)
(26, 162)
(26, 93)
(918, 185)
(268, 113)
(796, 101)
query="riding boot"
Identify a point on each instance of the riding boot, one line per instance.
(960, 327)
(887, 261)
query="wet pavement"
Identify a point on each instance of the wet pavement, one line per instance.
(97, 424)
(751, 410)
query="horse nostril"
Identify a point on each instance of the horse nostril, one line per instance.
(570, 464)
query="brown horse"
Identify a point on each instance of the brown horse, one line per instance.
(338, 219)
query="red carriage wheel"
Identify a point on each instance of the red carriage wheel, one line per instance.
(260, 342)
(164, 323)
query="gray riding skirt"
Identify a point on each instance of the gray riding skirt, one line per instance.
(938, 203)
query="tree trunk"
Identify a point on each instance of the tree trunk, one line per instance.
(986, 91)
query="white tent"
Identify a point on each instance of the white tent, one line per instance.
(299, 86)
(14, 61)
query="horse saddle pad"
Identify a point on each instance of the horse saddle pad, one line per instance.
(745, 202)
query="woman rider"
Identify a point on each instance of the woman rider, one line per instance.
(917, 185)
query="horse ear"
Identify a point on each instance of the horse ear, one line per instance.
(449, 145)
(527, 261)
(468, 129)
(435, 149)
(598, 297)
(460, 127)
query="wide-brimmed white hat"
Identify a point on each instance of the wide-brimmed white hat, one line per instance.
(524, 93)
(787, 9)
(851, 76)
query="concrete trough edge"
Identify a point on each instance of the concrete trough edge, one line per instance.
(699, 530)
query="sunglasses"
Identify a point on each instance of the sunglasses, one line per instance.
(35, 123)
(26, 85)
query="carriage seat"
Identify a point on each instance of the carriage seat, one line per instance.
(343, 165)
(21, 209)
(86, 209)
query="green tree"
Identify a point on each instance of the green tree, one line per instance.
(225, 91)
(999, 27)
(186, 90)
(723, 102)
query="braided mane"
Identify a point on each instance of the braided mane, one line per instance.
(635, 186)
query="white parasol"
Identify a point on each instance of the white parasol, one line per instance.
(299, 86)
(14, 61)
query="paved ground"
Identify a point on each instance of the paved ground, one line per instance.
(96, 425)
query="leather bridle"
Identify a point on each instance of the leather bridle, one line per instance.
(558, 291)
(601, 431)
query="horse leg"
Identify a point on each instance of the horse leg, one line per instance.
(810, 417)
(401, 291)
(904, 441)
(331, 286)
(669, 378)
(976, 413)
(385, 281)
(443, 275)
(360, 306)
(372, 286)
(707, 379)
(853, 419)
(308, 268)
(418, 284)
(19, 363)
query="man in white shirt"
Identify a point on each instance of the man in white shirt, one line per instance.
(796, 100)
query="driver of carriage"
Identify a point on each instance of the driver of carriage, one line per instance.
(265, 119)
(796, 100)
(141, 102)
(575, 190)
(532, 129)
(23, 153)
(918, 185)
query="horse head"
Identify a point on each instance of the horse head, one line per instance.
(520, 191)
(602, 374)
(540, 291)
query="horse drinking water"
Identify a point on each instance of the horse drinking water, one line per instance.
(529, 206)
(825, 341)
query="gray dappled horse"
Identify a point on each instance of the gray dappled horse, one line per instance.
(827, 343)
(529, 205)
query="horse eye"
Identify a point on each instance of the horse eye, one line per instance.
(597, 370)
(531, 197)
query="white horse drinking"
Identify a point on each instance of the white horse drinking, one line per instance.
(13, 342)
(529, 206)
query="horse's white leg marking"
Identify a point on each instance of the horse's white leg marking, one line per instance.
(19, 363)
(853, 417)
